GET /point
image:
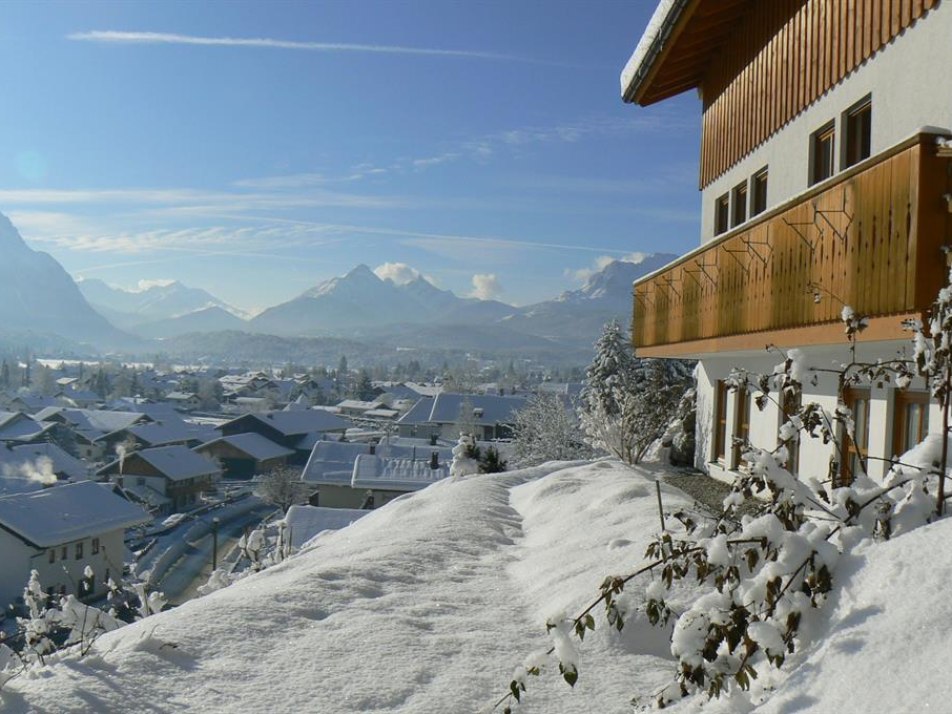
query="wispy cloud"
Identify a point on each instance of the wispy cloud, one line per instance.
(168, 38)
(193, 200)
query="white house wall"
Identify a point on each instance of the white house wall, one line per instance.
(19, 559)
(910, 87)
(815, 456)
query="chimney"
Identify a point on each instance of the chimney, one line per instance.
(434, 460)
(433, 439)
(373, 448)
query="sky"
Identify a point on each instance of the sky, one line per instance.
(256, 149)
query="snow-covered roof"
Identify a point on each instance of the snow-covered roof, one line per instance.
(332, 462)
(382, 413)
(357, 404)
(305, 522)
(174, 462)
(65, 513)
(255, 445)
(395, 474)
(16, 426)
(487, 409)
(300, 422)
(650, 44)
(94, 423)
(147, 495)
(160, 433)
(15, 458)
(419, 413)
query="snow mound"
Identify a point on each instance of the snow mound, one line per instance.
(430, 603)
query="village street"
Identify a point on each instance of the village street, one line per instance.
(181, 559)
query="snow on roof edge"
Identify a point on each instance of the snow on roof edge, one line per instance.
(650, 44)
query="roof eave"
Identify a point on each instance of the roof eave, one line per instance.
(649, 63)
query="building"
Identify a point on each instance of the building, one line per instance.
(295, 430)
(168, 478)
(354, 475)
(246, 455)
(58, 532)
(824, 181)
(485, 416)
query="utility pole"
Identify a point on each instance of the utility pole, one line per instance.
(215, 523)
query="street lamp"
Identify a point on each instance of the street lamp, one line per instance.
(215, 523)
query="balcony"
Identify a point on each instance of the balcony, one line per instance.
(869, 237)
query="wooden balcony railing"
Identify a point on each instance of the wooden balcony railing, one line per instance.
(871, 237)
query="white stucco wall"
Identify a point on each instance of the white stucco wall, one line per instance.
(814, 456)
(910, 87)
(19, 559)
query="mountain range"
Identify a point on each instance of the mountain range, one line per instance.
(130, 309)
(359, 305)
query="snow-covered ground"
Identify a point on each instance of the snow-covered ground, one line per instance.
(429, 604)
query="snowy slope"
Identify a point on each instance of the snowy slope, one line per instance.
(425, 605)
(429, 603)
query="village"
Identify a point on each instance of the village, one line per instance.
(92, 488)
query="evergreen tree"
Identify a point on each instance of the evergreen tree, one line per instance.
(627, 403)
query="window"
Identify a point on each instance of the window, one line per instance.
(63, 555)
(912, 420)
(822, 153)
(722, 214)
(52, 555)
(95, 546)
(720, 421)
(741, 426)
(858, 127)
(791, 407)
(758, 192)
(739, 214)
(854, 450)
(79, 550)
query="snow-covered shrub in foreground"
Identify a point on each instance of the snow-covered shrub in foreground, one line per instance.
(760, 579)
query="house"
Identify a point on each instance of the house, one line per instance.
(823, 183)
(168, 478)
(487, 416)
(296, 430)
(332, 470)
(383, 478)
(186, 401)
(245, 455)
(58, 532)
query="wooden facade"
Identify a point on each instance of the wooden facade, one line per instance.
(781, 58)
(871, 237)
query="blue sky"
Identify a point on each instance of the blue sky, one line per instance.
(255, 149)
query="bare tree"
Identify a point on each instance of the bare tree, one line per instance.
(282, 487)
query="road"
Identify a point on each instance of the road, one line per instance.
(194, 566)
